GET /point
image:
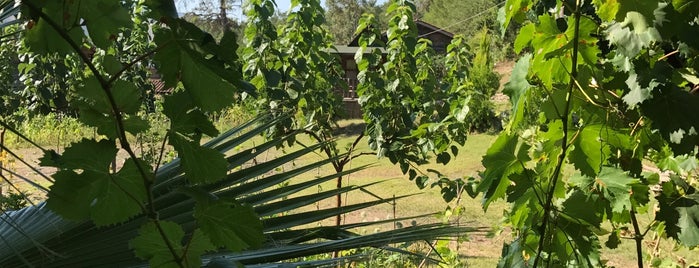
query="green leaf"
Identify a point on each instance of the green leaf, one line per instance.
(41, 38)
(89, 155)
(590, 151)
(614, 184)
(672, 113)
(105, 198)
(200, 164)
(150, 245)
(525, 36)
(104, 20)
(513, 9)
(186, 57)
(126, 96)
(637, 94)
(162, 8)
(584, 207)
(504, 158)
(614, 240)
(517, 88)
(681, 216)
(630, 41)
(93, 96)
(236, 227)
(185, 120)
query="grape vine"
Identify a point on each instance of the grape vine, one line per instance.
(602, 95)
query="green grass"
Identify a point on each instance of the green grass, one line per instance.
(480, 251)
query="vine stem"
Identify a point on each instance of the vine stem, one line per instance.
(564, 145)
(106, 87)
(638, 237)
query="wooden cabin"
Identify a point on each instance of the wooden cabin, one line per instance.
(440, 40)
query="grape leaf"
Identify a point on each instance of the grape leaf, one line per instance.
(614, 184)
(672, 112)
(637, 93)
(503, 158)
(236, 227)
(41, 38)
(517, 88)
(105, 198)
(526, 33)
(629, 42)
(513, 10)
(85, 154)
(107, 125)
(104, 20)
(200, 164)
(186, 120)
(584, 207)
(126, 96)
(70, 196)
(590, 153)
(150, 245)
(186, 57)
(681, 216)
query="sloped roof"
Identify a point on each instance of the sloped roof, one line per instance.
(423, 29)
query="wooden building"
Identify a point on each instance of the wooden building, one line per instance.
(440, 40)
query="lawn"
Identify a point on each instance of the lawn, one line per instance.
(481, 250)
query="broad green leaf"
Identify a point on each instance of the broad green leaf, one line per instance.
(41, 38)
(637, 93)
(525, 36)
(517, 88)
(513, 9)
(463, 112)
(162, 8)
(643, 7)
(196, 247)
(614, 184)
(104, 20)
(584, 207)
(150, 245)
(629, 41)
(504, 158)
(87, 155)
(200, 164)
(70, 195)
(107, 125)
(127, 96)
(571, 236)
(515, 255)
(93, 96)
(105, 198)
(591, 151)
(236, 227)
(186, 57)
(185, 120)
(681, 216)
(672, 113)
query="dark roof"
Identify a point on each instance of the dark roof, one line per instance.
(432, 29)
(423, 29)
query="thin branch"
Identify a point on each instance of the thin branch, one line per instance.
(564, 144)
(160, 156)
(132, 63)
(106, 87)
(638, 237)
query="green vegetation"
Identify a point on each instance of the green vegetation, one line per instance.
(595, 167)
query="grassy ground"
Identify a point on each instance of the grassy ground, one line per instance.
(481, 250)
